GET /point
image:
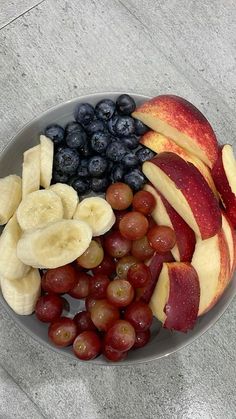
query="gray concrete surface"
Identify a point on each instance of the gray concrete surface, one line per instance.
(60, 49)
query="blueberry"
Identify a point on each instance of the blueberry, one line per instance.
(86, 150)
(110, 166)
(82, 171)
(84, 162)
(131, 142)
(111, 124)
(130, 160)
(124, 126)
(144, 154)
(66, 161)
(125, 104)
(97, 166)
(55, 133)
(59, 177)
(84, 113)
(76, 139)
(139, 127)
(100, 141)
(99, 185)
(72, 126)
(95, 126)
(116, 151)
(82, 186)
(135, 179)
(117, 173)
(105, 109)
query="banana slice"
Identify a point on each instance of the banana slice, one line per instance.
(69, 198)
(38, 209)
(55, 245)
(31, 171)
(46, 161)
(10, 266)
(22, 294)
(97, 213)
(10, 197)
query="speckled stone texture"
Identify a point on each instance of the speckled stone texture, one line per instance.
(60, 49)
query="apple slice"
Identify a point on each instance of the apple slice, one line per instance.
(175, 300)
(224, 175)
(186, 190)
(160, 143)
(230, 236)
(178, 119)
(155, 265)
(212, 262)
(164, 214)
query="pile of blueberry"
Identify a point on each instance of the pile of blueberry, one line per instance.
(100, 147)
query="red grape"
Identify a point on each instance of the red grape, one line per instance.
(62, 331)
(106, 267)
(119, 195)
(90, 303)
(113, 355)
(138, 275)
(98, 286)
(123, 265)
(104, 314)
(92, 256)
(139, 315)
(142, 338)
(81, 288)
(120, 293)
(141, 249)
(116, 245)
(121, 336)
(144, 202)
(87, 345)
(119, 215)
(83, 321)
(161, 238)
(133, 226)
(59, 280)
(49, 307)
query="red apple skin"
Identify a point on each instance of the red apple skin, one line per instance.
(223, 187)
(155, 265)
(185, 237)
(194, 187)
(184, 296)
(186, 118)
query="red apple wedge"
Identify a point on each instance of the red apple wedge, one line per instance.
(186, 190)
(155, 264)
(164, 214)
(178, 119)
(211, 260)
(160, 143)
(224, 175)
(230, 236)
(175, 300)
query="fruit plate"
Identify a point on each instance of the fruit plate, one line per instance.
(163, 342)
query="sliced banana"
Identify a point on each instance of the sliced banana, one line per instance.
(38, 209)
(55, 245)
(10, 197)
(69, 198)
(10, 266)
(46, 161)
(97, 213)
(31, 171)
(22, 294)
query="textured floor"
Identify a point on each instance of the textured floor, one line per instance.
(54, 50)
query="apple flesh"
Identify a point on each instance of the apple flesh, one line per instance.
(175, 301)
(230, 236)
(224, 175)
(181, 121)
(155, 264)
(186, 190)
(211, 261)
(160, 143)
(164, 214)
